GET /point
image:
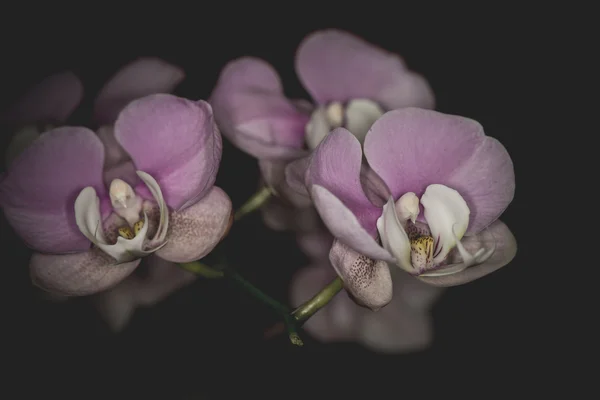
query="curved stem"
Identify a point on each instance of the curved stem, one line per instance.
(320, 300)
(225, 272)
(254, 203)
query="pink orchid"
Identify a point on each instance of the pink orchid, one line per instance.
(431, 194)
(404, 325)
(351, 82)
(71, 188)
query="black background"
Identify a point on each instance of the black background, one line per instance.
(206, 340)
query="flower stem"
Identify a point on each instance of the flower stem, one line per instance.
(320, 300)
(254, 203)
(225, 272)
(310, 308)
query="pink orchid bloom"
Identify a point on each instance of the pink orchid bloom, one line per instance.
(351, 82)
(72, 188)
(404, 325)
(429, 204)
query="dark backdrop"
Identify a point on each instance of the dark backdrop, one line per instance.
(206, 340)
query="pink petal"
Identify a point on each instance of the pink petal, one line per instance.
(368, 280)
(39, 190)
(345, 226)
(336, 165)
(336, 65)
(413, 148)
(253, 112)
(162, 278)
(139, 78)
(52, 100)
(195, 231)
(176, 141)
(506, 249)
(78, 274)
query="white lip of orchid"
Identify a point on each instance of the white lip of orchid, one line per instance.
(357, 116)
(129, 246)
(447, 216)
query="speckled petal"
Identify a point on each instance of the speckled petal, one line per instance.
(368, 280)
(195, 231)
(78, 274)
(142, 77)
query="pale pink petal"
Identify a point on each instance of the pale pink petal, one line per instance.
(368, 280)
(176, 141)
(345, 226)
(139, 78)
(78, 274)
(39, 190)
(506, 249)
(335, 65)
(195, 231)
(273, 172)
(405, 324)
(396, 328)
(253, 112)
(413, 148)
(52, 100)
(336, 165)
(296, 175)
(316, 244)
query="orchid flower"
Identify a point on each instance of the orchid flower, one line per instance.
(351, 82)
(404, 325)
(49, 104)
(429, 205)
(90, 225)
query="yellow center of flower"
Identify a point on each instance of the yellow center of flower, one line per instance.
(421, 254)
(128, 233)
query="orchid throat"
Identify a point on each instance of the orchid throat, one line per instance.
(423, 248)
(132, 241)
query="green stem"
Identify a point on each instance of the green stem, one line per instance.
(202, 269)
(211, 272)
(320, 300)
(254, 203)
